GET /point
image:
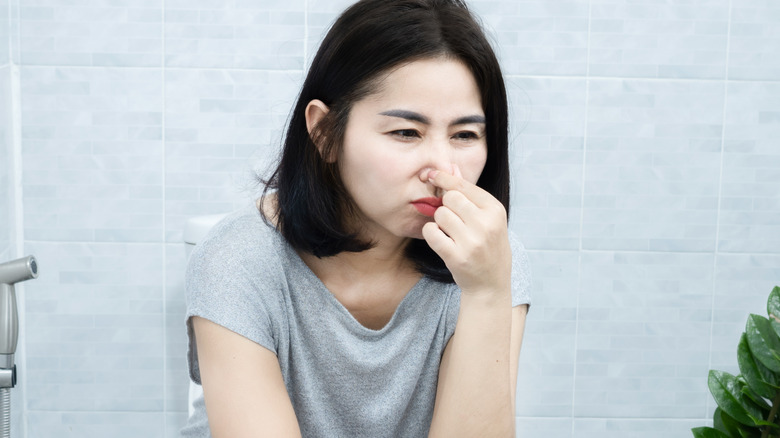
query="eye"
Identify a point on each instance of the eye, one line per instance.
(405, 134)
(466, 136)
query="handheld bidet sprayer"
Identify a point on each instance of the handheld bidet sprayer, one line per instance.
(11, 273)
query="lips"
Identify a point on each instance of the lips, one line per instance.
(427, 206)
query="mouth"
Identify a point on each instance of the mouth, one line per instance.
(427, 206)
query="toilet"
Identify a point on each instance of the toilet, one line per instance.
(195, 229)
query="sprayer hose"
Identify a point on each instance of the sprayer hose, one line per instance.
(5, 412)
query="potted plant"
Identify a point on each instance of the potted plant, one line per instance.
(748, 404)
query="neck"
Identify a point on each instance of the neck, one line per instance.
(386, 258)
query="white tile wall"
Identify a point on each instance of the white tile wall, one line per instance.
(643, 334)
(93, 153)
(95, 331)
(751, 169)
(263, 34)
(92, 33)
(546, 374)
(46, 424)
(223, 127)
(547, 137)
(8, 226)
(538, 37)
(5, 33)
(6, 167)
(755, 40)
(648, 39)
(644, 156)
(652, 165)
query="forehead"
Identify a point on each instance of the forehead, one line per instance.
(438, 84)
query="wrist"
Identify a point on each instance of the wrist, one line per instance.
(487, 297)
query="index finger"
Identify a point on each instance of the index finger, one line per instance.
(473, 192)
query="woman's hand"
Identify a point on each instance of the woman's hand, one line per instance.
(469, 233)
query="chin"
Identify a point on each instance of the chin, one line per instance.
(415, 231)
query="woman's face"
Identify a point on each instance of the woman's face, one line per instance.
(427, 115)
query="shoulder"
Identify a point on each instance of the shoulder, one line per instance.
(241, 235)
(238, 251)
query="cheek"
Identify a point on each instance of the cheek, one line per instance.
(369, 164)
(472, 163)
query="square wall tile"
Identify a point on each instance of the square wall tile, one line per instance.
(125, 33)
(621, 428)
(546, 152)
(13, 8)
(653, 155)
(94, 328)
(92, 154)
(642, 38)
(643, 335)
(546, 370)
(241, 34)
(320, 16)
(535, 427)
(45, 424)
(750, 204)
(5, 34)
(7, 192)
(537, 37)
(755, 40)
(223, 127)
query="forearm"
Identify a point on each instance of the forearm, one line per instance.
(474, 391)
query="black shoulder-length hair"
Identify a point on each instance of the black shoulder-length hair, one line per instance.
(369, 39)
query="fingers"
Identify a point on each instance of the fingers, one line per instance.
(439, 241)
(455, 182)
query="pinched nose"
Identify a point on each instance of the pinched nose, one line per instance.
(452, 169)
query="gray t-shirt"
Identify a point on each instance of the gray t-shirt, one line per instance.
(344, 380)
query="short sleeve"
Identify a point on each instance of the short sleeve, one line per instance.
(229, 283)
(521, 273)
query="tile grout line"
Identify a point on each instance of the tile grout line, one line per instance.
(164, 226)
(720, 192)
(10, 40)
(582, 219)
(305, 35)
(134, 67)
(506, 76)
(16, 129)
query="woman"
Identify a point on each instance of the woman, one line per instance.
(373, 290)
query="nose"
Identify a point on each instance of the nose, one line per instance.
(439, 155)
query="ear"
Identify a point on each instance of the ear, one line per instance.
(315, 112)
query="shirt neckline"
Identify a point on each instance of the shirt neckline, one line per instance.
(300, 266)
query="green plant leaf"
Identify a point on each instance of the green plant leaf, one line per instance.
(773, 303)
(717, 422)
(708, 432)
(760, 378)
(724, 423)
(763, 342)
(759, 401)
(727, 392)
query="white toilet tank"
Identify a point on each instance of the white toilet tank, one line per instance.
(195, 229)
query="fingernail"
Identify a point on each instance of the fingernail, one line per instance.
(457, 170)
(432, 174)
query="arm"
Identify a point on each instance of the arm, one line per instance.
(242, 384)
(478, 372)
(516, 341)
(461, 389)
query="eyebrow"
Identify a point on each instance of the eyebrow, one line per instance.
(416, 117)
